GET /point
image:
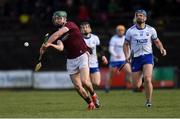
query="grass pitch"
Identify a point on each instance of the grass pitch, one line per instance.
(66, 104)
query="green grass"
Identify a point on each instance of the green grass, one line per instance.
(117, 103)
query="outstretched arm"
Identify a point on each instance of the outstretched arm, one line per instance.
(159, 45)
(52, 38)
(57, 34)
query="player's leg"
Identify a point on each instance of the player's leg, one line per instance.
(84, 75)
(83, 64)
(75, 74)
(95, 78)
(109, 79)
(112, 70)
(137, 79)
(80, 89)
(147, 72)
(127, 68)
(78, 85)
(137, 67)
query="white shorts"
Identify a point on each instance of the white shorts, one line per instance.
(73, 65)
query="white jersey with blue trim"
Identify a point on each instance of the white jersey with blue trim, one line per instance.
(92, 41)
(116, 48)
(141, 39)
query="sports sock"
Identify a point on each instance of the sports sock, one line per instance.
(88, 100)
(147, 100)
(92, 93)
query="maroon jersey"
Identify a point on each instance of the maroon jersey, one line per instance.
(74, 43)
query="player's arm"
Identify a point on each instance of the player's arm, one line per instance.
(126, 48)
(101, 51)
(59, 46)
(111, 51)
(57, 34)
(160, 46)
(53, 37)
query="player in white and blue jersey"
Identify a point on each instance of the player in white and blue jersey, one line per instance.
(93, 42)
(139, 38)
(117, 57)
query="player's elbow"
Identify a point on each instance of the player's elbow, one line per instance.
(157, 42)
(126, 44)
(61, 48)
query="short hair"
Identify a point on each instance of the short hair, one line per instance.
(85, 23)
(120, 27)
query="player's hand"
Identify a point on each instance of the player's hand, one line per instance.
(104, 59)
(163, 51)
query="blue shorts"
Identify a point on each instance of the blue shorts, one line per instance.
(138, 62)
(94, 69)
(116, 64)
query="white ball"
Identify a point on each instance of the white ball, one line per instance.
(26, 44)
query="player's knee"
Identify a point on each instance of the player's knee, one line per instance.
(147, 79)
(128, 73)
(96, 83)
(136, 85)
(85, 82)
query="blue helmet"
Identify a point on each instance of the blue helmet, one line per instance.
(141, 11)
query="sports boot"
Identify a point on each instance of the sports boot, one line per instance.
(91, 106)
(96, 100)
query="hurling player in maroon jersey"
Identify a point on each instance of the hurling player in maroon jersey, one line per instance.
(77, 56)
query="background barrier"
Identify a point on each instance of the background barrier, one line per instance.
(52, 80)
(163, 77)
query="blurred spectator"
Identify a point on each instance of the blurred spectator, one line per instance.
(30, 18)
